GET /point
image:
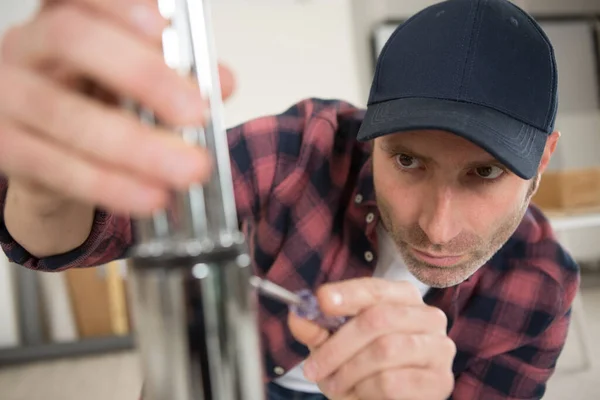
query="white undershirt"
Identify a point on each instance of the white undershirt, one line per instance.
(390, 266)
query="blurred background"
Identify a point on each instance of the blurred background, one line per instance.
(67, 336)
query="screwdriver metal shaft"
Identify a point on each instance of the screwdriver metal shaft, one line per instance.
(302, 303)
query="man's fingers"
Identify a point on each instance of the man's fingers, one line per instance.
(76, 42)
(407, 384)
(104, 134)
(352, 296)
(227, 81)
(367, 329)
(142, 16)
(109, 55)
(25, 155)
(307, 332)
(392, 351)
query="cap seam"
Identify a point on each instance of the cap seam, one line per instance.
(507, 112)
(473, 56)
(474, 13)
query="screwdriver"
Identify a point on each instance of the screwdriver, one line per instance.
(302, 303)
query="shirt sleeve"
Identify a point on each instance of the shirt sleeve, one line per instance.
(523, 372)
(108, 240)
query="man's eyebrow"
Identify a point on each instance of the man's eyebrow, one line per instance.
(487, 162)
(392, 147)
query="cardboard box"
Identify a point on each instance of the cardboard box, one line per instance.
(567, 189)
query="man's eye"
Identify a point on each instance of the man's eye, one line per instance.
(489, 172)
(407, 162)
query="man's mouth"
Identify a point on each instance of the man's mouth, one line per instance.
(438, 260)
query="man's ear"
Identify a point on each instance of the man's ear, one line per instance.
(548, 151)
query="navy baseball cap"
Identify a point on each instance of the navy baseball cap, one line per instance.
(481, 69)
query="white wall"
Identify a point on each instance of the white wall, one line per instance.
(407, 7)
(283, 51)
(14, 11)
(540, 7)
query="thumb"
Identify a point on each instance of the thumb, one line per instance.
(227, 79)
(306, 332)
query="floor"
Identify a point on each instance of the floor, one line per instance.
(117, 377)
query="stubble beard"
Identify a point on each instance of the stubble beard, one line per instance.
(477, 250)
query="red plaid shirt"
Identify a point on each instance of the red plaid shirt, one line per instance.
(305, 196)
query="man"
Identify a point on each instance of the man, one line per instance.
(413, 218)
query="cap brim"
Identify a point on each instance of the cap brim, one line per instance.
(516, 145)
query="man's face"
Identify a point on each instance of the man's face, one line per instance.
(448, 204)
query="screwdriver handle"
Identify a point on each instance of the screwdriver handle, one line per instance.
(309, 309)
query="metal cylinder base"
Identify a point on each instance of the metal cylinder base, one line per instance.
(196, 325)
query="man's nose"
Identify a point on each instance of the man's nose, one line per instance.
(439, 217)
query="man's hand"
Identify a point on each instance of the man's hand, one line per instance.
(61, 130)
(395, 346)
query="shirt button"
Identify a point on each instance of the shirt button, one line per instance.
(368, 256)
(358, 199)
(370, 218)
(278, 370)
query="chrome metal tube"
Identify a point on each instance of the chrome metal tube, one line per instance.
(194, 310)
(196, 329)
(203, 216)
